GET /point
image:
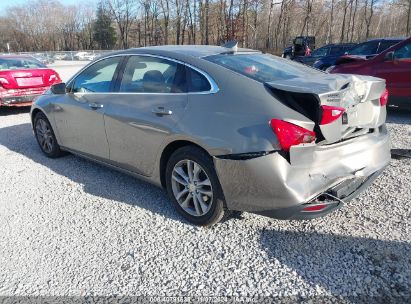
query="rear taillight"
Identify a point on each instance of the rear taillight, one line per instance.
(289, 134)
(384, 98)
(3, 81)
(330, 114)
(54, 78)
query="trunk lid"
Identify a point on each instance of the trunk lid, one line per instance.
(358, 95)
(28, 78)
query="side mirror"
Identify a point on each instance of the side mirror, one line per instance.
(389, 56)
(59, 88)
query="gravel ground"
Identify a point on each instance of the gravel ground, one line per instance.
(69, 227)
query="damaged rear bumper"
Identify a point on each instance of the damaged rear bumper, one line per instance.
(315, 175)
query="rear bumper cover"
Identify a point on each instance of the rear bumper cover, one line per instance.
(272, 186)
(17, 101)
(20, 97)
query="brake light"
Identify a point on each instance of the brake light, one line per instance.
(3, 81)
(289, 134)
(384, 98)
(330, 114)
(53, 78)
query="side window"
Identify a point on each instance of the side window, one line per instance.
(144, 74)
(98, 77)
(403, 53)
(197, 82)
(336, 50)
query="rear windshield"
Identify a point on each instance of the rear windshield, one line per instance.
(263, 67)
(19, 63)
(368, 48)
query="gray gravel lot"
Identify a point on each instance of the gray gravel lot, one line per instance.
(71, 227)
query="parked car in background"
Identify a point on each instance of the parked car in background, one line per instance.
(43, 58)
(22, 79)
(81, 55)
(62, 56)
(223, 129)
(368, 49)
(91, 56)
(325, 56)
(301, 46)
(393, 65)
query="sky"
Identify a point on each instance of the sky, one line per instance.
(4, 4)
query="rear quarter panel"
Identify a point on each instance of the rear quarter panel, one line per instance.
(236, 118)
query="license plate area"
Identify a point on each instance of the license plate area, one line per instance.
(32, 81)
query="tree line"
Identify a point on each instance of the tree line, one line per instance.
(48, 25)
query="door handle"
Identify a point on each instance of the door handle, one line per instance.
(161, 111)
(95, 105)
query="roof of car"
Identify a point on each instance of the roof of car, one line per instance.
(389, 38)
(340, 44)
(190, 50)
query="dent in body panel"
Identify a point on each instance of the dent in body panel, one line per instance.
(271, 182)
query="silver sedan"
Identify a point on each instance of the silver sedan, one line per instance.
(222, 129)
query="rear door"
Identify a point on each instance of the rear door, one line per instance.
(79, 113)
(149, 101)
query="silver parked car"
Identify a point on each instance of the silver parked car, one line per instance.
(223, 129)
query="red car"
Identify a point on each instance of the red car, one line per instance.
(22, 79)
(393, 65)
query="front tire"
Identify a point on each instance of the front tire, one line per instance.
(194, 188)
(45, 136)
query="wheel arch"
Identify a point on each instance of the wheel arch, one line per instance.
(34, 112)
(168, 150)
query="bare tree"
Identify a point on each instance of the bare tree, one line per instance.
(123, 12)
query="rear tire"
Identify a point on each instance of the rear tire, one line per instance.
(45, 136)
(193, 186)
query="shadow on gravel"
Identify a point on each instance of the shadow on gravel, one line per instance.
(400, 153)
(399, 116)
(96, 179)
(366, 269)
(5, 111)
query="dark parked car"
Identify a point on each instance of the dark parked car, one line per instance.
(301, 46)
(325, 56)
(367, 50)
(393, 65)
(22, 79)
(222, 129)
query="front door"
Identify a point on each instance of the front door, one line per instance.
(79, 113)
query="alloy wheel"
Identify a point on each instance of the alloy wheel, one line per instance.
(192, 187)
(44, 135)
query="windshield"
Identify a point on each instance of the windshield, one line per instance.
(19, 63)
(263, 67)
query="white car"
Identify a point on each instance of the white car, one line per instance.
(82, 56)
